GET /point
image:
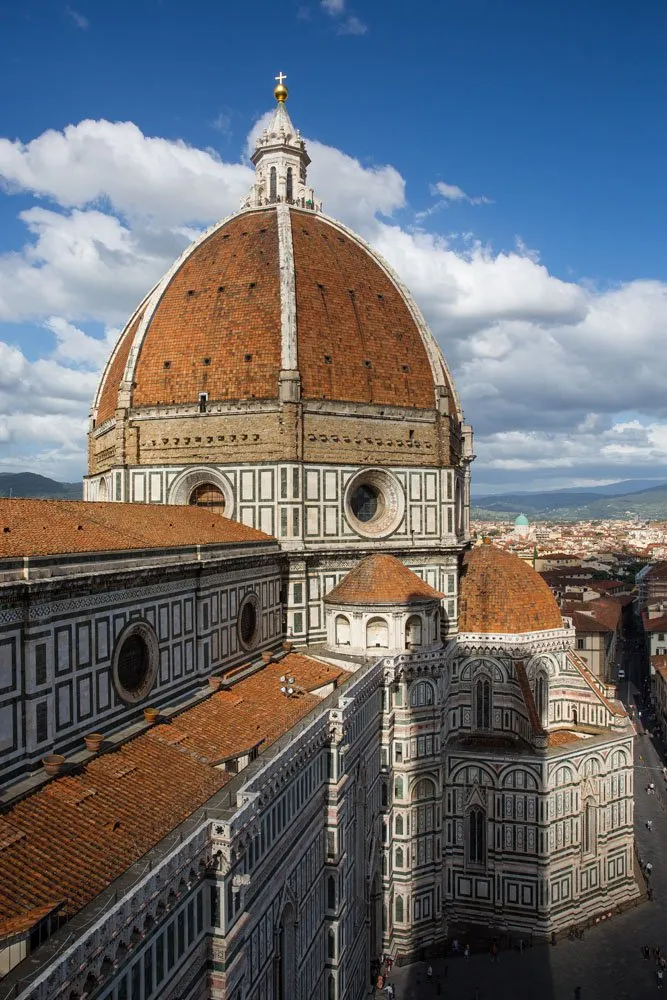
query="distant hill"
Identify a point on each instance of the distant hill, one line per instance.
(28, 484)
(584, 505)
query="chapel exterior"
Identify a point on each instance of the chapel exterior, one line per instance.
(329, 728)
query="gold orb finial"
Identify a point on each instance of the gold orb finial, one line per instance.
(280, 92)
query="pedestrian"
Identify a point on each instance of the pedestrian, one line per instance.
(494, 951)
(455, 946)
(652, 787)
(648, 868)
(649, 825)
(429, 974)
(466, 951)
(659, 976)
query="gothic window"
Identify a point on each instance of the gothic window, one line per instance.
(588, 827)
(398, 826)
(273, 185)
(413, 631)
(331, 893)
(483, 703)
(398, 788)
(342, 630)
(331, 943)
(541, 698)
(399, 857)
(424, 789)
(383, 794)
(476, 836)
(290, 185)
(421, 693)
(399, 909)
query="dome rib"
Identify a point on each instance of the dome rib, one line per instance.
(501, 594)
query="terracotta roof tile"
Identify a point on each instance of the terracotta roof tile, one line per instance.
(77, 834)
(50, 527)
(500, 593)
(381, 579)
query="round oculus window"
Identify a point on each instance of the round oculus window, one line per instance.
(374, 503)
(248, 621)
(135, 661)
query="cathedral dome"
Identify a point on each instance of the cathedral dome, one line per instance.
(500, 593)
(273, 290)
(278, 301)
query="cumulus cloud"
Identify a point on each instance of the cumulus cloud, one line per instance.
(548, 369)
(164, 180)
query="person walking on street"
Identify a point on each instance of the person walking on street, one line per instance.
(429, 974)
(466, 951)
(649, 825)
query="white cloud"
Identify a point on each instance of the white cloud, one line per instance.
(449, 193)
(348, 24)
(164, 180)
(352, 26)
(77, 19)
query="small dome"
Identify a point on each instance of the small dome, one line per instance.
(500, 593)
(382, 579)
(521, 521)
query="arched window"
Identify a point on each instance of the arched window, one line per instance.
(102, 490)
(398, 862)
(424, 789)
(331, 987)
(541, 703)
(290, 185)
(398, 788)
(588, 827)
(273, 185)
(413, 631)
(331, 943)
(399, 909)
(342, 630)
(210, 496)
(331, 893)
(476, 836)
(483, 703)
(421, 693)
(377, 633)
(398, 826)
(383, 793)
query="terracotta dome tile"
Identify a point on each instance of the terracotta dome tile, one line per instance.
(500, 593)
(381, 579)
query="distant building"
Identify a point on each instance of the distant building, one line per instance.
(521, 526)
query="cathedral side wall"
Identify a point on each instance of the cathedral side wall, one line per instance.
(58, 641)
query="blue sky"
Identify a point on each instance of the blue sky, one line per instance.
(538, 261)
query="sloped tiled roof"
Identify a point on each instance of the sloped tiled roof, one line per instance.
(57, 527)
(75, 835)
(500, 593)
(381, 579)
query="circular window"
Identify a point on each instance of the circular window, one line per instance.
(135, 662)
(374, 503)
(248, 621)
(366, 502)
